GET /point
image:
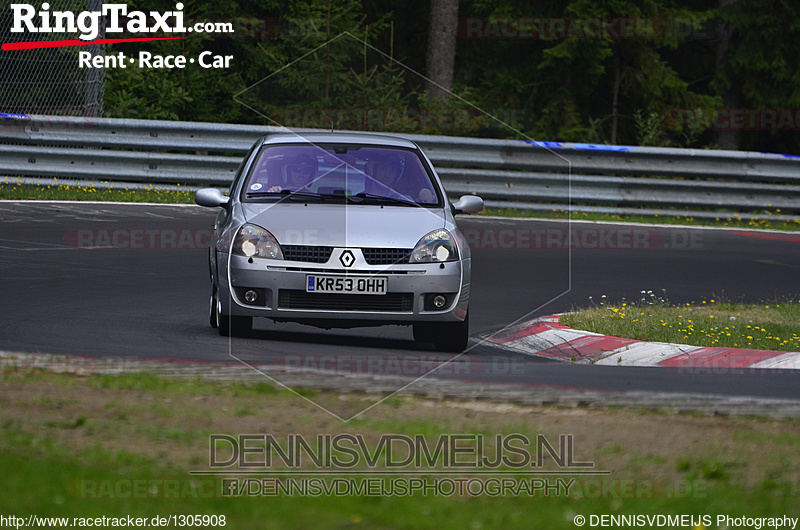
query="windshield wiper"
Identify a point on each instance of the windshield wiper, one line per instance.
(287, 194)
(384, 199)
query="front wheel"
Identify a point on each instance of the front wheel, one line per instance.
(213, 303)
(230, 325)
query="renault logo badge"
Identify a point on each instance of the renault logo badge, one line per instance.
(347, 258)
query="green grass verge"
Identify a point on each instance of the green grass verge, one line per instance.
(69, 469)
(61, 192)
(94, 485)
(58, 485)
(768, 326)
(724, 219)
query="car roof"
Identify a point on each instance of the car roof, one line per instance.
(343, 138)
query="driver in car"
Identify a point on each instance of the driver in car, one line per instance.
(300, 170)
(387, 179)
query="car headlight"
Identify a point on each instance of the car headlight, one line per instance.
(254, 242)
(434, 247)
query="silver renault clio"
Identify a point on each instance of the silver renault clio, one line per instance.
(340, 230)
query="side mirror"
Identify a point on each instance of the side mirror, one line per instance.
(468, 204)
(211, 197)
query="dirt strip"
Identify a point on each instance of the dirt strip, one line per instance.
(429, 387)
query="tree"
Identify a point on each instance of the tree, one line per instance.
(615, 72)
(731, 94)
(323, 71)
(758, 69)
(441, 53)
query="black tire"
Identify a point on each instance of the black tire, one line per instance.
(212, 308)
(233, 326)
(453, 337)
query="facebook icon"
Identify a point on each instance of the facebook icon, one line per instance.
(230, 487)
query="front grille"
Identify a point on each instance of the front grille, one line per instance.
(389, 302)
(386, 256)
(307, 253)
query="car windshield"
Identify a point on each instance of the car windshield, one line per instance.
(349, 173)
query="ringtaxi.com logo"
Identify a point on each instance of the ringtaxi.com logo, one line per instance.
(115, 19)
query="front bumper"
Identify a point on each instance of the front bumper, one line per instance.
(281, 289)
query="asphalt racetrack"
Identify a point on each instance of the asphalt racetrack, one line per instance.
(128, 280)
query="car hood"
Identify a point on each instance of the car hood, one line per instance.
(339, 225)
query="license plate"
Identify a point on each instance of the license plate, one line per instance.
(346, 284)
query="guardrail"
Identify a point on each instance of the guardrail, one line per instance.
(522, 174)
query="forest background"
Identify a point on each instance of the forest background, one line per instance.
(720, 74)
